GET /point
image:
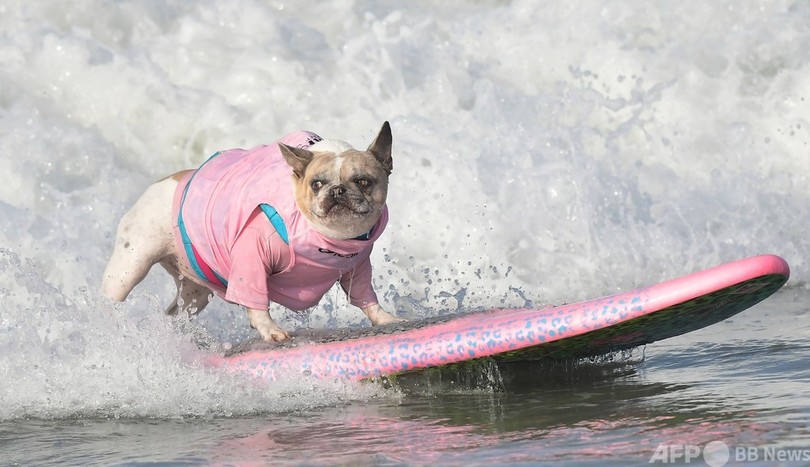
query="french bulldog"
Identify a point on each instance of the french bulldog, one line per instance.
(277, 223)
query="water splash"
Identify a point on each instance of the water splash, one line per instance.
(582, 150)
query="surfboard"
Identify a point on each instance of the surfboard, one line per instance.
(576, 330)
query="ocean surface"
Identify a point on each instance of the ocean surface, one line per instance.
(544, 152)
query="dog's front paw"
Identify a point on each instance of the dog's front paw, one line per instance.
(261, 321)
(378, 316)
(273, 333)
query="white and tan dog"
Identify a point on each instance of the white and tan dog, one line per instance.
(279, 223)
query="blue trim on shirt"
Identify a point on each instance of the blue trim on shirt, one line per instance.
(276, 220)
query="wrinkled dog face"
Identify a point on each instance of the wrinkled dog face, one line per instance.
(341, 190)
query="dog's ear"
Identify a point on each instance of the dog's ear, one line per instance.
(381, 147)
(297, 158)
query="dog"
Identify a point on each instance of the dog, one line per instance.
(277, 223)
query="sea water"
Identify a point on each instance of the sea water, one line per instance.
(544, 152)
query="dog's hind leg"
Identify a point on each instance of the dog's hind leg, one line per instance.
(144, 237)
(191, 298)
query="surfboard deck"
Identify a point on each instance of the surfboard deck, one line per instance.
(576, 330)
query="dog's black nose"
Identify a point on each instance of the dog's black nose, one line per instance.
(337, 191)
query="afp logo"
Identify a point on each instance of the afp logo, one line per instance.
(715, 454)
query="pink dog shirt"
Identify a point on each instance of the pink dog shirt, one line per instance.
(234, 237)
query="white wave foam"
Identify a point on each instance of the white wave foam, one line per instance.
(541, 155)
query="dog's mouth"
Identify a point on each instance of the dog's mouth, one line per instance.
(331, 208)
(344, 217)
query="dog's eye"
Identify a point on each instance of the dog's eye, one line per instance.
(363, 183)
(317, 185)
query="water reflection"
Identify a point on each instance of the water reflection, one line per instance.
(574, 413)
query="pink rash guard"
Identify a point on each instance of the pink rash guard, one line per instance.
(218, 210)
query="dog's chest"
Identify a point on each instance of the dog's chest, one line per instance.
(316, 251)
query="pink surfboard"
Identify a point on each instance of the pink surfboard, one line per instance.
(588, 328)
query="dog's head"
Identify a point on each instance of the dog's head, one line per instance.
(341, 190)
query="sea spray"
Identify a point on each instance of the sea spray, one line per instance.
(541, 154)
